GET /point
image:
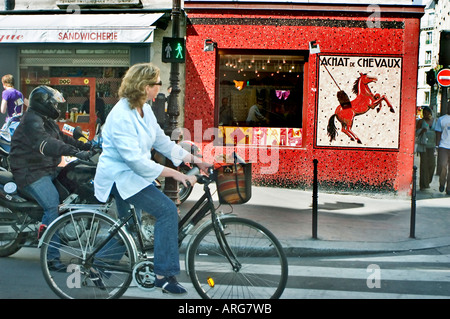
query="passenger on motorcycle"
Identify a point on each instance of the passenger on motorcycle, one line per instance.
(36, 149)
(127, 171)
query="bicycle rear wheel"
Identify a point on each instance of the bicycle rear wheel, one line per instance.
(262, 271)
(70, 274)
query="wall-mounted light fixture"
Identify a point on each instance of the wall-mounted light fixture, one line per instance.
(209, 45)
(314, 47)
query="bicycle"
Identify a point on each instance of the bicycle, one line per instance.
(223, 256)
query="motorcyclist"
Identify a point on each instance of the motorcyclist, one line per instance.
(36, 149)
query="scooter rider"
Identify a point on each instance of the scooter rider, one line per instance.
(36, 149)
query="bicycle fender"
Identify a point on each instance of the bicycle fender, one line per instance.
(93, 211)
(61, 216)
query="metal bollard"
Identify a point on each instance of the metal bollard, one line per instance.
(412, 228)
(314, 204)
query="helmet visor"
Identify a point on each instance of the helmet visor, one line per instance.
(57, 96)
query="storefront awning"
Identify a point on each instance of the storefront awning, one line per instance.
(78, 28)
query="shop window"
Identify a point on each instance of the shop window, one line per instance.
(429, 38)
(428, 56)
(107, 82)
(260, 93)
(426, 98)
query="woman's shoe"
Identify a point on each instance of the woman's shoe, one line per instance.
(170, 285)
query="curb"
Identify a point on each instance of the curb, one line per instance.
(320, 248)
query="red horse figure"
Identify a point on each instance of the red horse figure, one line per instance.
(364, 101)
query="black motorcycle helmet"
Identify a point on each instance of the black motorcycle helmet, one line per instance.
(44, 100)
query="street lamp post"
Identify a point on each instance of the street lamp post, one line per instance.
(171, 185)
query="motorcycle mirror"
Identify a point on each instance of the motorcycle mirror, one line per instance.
(77, 133)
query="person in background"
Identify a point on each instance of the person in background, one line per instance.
(99, 109)
(226, 115)
(425, 133)
(13, 101)
(255, 117)
(127, 171)
(443, 144)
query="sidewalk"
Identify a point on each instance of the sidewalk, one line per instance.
(347, 223)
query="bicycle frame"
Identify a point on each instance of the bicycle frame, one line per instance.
(200, 209)
(204, 205)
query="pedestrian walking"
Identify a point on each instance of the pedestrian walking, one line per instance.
(443, 143)
(426, 147)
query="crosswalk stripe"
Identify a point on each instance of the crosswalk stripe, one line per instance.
(364, 273)
(136, 292)
(292, 293)
(401, 259)
(391, 268)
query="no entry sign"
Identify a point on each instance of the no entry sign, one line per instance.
(443, 77)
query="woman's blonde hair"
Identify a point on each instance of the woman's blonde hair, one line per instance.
(134, 82)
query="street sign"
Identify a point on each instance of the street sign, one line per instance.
(443, 77)
(173, 50)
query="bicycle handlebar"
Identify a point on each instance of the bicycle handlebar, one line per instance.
(201, 179)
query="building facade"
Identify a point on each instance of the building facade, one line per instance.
(281, 83)
(82, 48)
(331, 82)
(436, 19)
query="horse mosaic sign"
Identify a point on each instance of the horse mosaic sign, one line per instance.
(358, 101)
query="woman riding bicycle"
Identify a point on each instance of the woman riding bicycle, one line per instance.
(126, 170)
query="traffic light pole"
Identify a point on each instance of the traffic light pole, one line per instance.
(171, 185)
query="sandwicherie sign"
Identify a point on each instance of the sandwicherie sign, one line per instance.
(76, 28)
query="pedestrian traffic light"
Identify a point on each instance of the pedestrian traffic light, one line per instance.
(173, 50)
(431, 77)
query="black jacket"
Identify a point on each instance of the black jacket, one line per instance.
(37, 146)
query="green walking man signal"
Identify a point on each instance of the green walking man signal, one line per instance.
(173, 50)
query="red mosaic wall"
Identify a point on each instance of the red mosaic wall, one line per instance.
(339, 33)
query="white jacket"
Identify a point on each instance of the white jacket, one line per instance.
(126, 158)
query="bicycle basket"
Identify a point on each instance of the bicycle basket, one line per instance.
(234, 183)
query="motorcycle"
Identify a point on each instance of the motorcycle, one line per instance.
(6, 132)
(20, 214)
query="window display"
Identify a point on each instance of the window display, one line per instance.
(75, 83)
(260, 97)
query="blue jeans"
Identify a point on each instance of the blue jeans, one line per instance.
(46, 195)
(154, 202)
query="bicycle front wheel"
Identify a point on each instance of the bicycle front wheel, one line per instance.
(65, 261)
(245, 260)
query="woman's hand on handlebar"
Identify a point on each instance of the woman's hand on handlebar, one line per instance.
(204, 167)
(178, 176)
(190, 180)
(186, 180)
